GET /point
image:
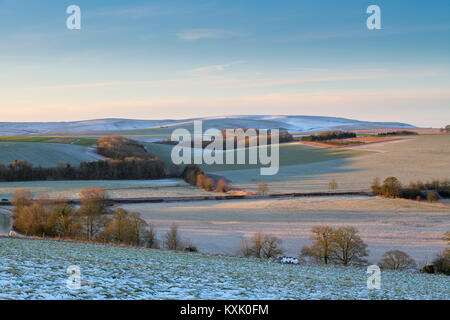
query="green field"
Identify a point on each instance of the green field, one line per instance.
(43, 154)
(290, 154)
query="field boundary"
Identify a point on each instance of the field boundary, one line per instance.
(223, 197)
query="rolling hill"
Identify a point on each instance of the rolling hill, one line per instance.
(290, 123)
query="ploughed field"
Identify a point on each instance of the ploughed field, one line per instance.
(37, 269)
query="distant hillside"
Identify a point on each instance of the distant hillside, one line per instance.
(290, 123)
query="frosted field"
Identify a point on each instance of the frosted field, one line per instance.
(384, 224)
(44, 154)
(115, 188)
(36, 269)
(423, 157)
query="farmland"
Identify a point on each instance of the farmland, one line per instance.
(219, 226)
(115, 188)
(36, 269)
(423, 157)
(43, 153)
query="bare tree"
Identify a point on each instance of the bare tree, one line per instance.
(271, 247)
(397, 260)
(262, 188)
(150, 237)
(320, 248)
(245, 249)
(447, 237)
(257, 243)
(138, 226)
(347, 247)
(332, 185)
(172, 240)
(376, 187)
(94, 203)
(261, 246)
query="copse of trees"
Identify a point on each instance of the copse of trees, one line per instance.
(336, 245)
(397, 260)
(193, 175)
(120, 148)
(92, 221)
(329, 135)
(392, 188)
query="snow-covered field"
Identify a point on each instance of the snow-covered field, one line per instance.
(37, 269)
(115, 188)
(384, 224)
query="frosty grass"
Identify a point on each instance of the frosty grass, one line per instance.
(36, 269)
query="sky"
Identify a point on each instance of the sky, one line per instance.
(182, 59)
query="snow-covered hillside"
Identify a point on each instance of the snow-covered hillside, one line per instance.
(290, 123)
(37, 269)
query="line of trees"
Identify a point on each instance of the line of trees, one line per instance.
(392, 188)
(329, 135)
(129, 168)
(93, 221)
(126, 159)
(397, 133)
(193, 175)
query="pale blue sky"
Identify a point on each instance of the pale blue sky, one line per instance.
(178, 59)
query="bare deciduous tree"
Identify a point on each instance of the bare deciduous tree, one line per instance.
(397, 260)
(150, 239)
(347, 247)
(94, 203)
(261, 246)
(262, 188)
(172, 240)
(271, 247)
(333, 185)
(320, 248)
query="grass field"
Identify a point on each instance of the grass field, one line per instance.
(424, 157)
(43, 154)
(290, 154)
(78, 141)
(36, 269)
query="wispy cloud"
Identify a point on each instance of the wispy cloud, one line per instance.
(213, 68)
(198, 34)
